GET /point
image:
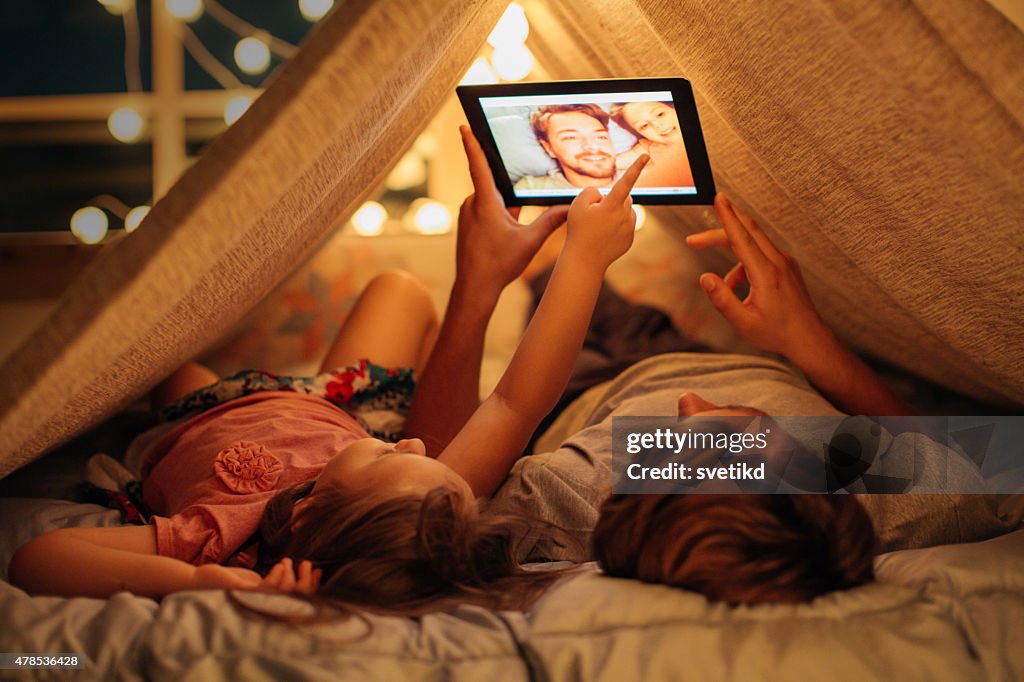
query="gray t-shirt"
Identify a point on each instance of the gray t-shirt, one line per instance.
(555, 179)
(566, 482)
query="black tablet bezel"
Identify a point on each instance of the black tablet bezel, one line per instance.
(682, 97)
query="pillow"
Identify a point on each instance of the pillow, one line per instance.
(519, 148)
(915, 521)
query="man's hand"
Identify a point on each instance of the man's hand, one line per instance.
(493, 248)
(778, 314)
(602, 228)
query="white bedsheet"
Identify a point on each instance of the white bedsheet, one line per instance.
(951, 612)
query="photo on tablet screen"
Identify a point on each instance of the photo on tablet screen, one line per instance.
(545, 142)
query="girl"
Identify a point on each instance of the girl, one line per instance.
(376, 524)
(656, 127)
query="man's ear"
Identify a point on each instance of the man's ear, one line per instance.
(547, 148)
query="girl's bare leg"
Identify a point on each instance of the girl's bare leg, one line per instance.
(393, 323)
(181, 382)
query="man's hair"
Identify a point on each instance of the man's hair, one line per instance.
(540, 119)
(738, 548)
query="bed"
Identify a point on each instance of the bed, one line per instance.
(948, 612)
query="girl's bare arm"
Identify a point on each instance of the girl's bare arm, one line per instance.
(99, 562)
(599, 231)
(491, 251)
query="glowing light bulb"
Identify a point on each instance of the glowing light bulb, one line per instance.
(480, 73)
(314, 10)
(135, 217)
(252, 55)
(185, 10)
(235, 107)
(89, 224)
(511, 29)
(369, 219)
(512, 62)
(125, 124)
(430, 217)
(641, 216)
(116, 7)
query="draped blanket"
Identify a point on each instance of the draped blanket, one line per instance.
(879, 143)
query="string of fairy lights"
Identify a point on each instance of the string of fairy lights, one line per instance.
(509, 59)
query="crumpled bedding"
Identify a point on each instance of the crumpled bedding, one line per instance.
(948, 612)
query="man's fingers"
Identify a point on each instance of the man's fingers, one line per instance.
(724, 299)
(621, 189)
(766, 245)
(707, 239)
(479, 171)
(735, 277)
(741, 241)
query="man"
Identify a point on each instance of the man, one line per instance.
(569, 476)
(576, 137)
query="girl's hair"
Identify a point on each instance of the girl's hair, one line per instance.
(406, 555)
(618, 114)
(738, 548)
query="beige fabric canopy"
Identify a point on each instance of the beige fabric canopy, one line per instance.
(882, 145)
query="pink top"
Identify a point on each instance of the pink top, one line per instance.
(207, 480)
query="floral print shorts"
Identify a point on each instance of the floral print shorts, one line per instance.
(378, 397)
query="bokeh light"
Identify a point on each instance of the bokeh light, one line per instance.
(125, 124)
(135, 217)
(185, 10)
(511, 29)
(369, 220)
(512, 62)
(410, 171)
(116, 7)
(430, 217)
(89, 224)
(252, 55)
(315, 10)
(235, 107)
(480, 73)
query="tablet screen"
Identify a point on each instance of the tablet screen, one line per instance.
(549, 146)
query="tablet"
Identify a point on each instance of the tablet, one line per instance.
(545, 142)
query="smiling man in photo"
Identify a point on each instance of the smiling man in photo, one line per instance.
(576, 136)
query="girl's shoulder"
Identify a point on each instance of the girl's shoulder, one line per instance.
(633, 153)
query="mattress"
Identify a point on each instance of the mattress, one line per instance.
(947, 612)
